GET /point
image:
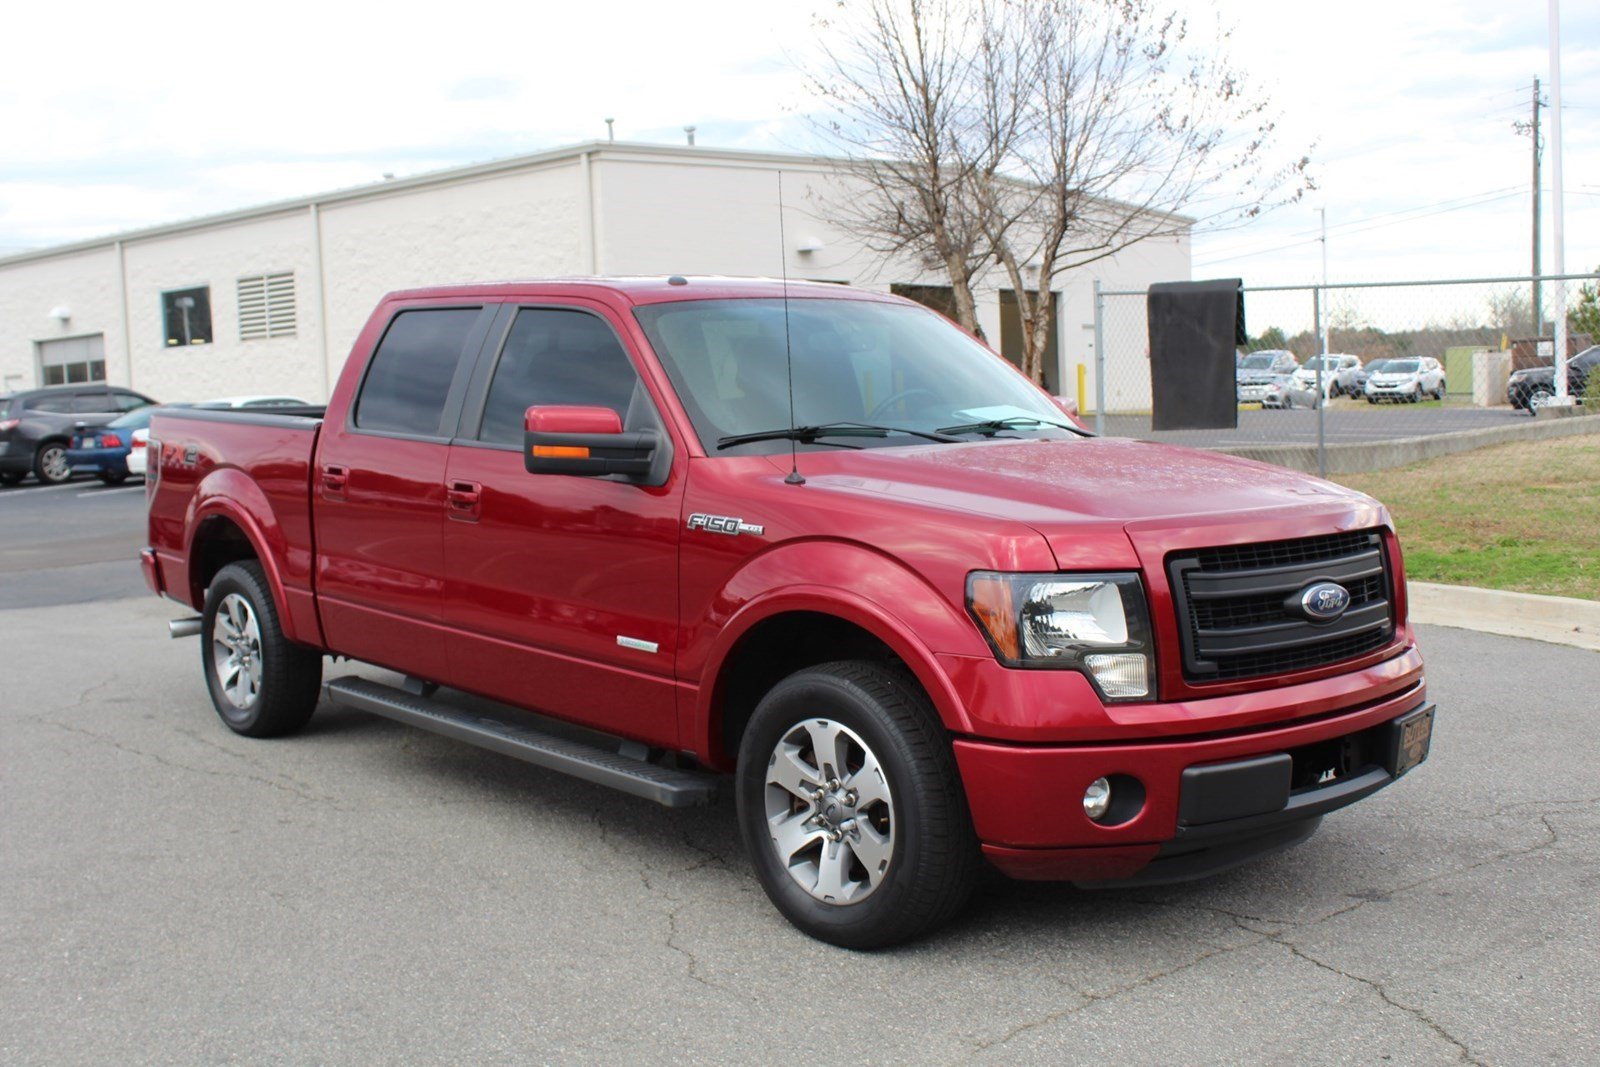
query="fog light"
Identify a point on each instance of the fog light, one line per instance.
(1097, 799)
(1120, 674)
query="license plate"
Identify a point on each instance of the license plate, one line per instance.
(1413, 734)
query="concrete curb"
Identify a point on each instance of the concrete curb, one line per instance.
(1560, 620)
(1382, 455)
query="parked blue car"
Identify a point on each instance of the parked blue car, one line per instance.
(103, 450)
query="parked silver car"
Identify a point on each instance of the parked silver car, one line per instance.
(1406, 379)
(1258, 371)
(1338, 374)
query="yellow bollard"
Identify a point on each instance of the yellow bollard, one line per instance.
(1083, 377)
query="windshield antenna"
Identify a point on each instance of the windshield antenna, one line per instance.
(794, 477)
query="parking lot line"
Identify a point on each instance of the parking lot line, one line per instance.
(109, 491)
(24, 490)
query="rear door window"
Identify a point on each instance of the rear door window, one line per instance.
(59, 403)
(408, 381)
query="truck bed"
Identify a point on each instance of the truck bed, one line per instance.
(247, 467)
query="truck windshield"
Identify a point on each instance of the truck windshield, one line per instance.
(860, 362)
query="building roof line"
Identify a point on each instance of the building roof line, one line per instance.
(448, 176)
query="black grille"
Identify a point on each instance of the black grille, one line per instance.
(1237, 605)
(1279, 553)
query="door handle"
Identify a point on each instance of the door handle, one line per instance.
(462, 500)
(334, 477)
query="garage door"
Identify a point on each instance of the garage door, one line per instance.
(73, 359)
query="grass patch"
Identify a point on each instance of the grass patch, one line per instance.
(1522, 516)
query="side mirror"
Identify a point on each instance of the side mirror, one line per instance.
(585, 441)
(1069, 408)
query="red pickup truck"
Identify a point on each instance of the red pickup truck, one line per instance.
(666, 530)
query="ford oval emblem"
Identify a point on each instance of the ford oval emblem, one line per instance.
(1324, 601)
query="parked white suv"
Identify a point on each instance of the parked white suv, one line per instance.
(1407, 379)
(1338, 375)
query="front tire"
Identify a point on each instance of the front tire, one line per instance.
(261, 683)
(851, 807)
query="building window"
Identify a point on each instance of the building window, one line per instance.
(266, 306)
(72, 360)
(186, 316)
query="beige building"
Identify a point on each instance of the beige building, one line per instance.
(269, 300)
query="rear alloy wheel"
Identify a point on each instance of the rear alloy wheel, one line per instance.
(1538, 399)
(50, 464)
(261, 683)
(851, 806)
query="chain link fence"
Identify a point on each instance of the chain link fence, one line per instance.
(1411, 371)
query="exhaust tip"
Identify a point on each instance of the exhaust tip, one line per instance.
(184, 627)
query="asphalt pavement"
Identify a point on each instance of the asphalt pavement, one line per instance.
(1345, 421)
(368, 893)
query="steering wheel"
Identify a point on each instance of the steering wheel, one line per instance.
(894, 398)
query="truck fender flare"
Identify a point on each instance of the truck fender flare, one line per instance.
(227, 493)
(901, 637)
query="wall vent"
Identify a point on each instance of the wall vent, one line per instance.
(266, 306)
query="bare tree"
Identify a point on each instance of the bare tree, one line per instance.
(899, 83)
(1060, 132)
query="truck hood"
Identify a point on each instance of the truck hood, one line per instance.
(1057, 485)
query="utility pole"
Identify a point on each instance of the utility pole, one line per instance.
(1538, 306)
(1532, 127)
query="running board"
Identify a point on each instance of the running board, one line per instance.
(665, 785)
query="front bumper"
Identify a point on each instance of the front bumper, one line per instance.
(1209, 802)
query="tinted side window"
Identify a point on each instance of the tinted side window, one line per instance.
(128, 401)
(556, 357)
(95, 403)
(58, 402)
(409, 379)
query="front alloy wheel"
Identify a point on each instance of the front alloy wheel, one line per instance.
(830, 812)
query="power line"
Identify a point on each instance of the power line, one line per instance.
(1241, 250)
(1376, 224)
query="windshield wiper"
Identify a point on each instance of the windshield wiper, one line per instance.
(994, 426)
(810, 434)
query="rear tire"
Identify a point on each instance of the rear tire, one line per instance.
(903, 858)
(261, 683)
(50, 464)
(113, 477)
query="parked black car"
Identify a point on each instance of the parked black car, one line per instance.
(1534, 387)
(36, 426)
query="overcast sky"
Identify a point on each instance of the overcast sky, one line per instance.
(126, 115)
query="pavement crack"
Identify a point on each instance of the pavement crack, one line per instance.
(1463, 1052)
(290, 787)
(691, 961)
(1093, 998)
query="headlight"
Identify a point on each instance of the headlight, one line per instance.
(1094, 623)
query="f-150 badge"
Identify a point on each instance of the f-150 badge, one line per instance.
(731, 525)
